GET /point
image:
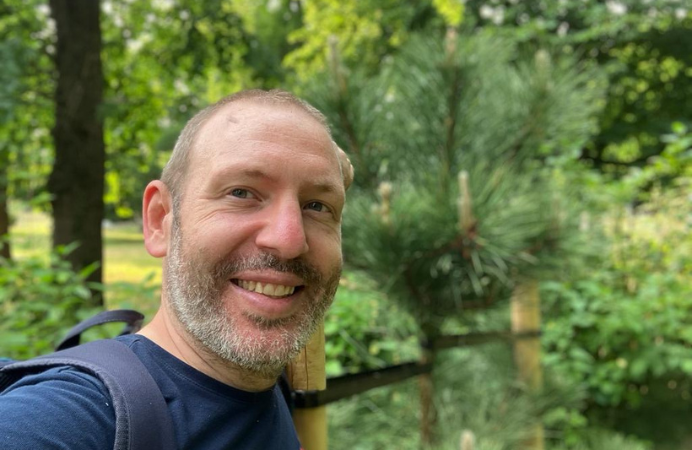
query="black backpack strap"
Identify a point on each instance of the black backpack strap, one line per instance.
(142, 419)
(132, 319)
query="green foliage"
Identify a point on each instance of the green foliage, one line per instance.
(452, 11)
(40, 301)
(435, 243)
(644, 49)
(157, 55)
(418, 254)
(364, 332)
(473, 97)
(621, 329)
(267, 26)
(166, 60)
(475, 395)
(672, 167)
(363, 32)
(603, 439)
(26, 45)
(441, 106)
(602, 334)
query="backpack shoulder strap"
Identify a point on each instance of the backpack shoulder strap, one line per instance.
(142, 419)
(132, 319)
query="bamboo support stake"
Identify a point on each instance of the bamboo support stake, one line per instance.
(526, 318)
(307, 373)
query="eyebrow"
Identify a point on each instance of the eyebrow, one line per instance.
(320, 186)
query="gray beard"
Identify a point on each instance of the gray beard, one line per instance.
(195, 294)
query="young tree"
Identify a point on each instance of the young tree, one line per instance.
(453, 147)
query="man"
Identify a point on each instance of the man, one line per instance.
(247, 216)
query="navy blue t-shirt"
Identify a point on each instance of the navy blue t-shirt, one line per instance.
(63, 408)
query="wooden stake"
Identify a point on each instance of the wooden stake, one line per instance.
(526, 318)
(307, 373)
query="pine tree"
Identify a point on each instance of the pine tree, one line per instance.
(454, 145)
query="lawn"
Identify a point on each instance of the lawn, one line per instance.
(125, 257)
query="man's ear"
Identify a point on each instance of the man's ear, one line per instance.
(346, 167)
(157, 215)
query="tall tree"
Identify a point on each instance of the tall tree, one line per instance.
(77, 180)
(462, 139)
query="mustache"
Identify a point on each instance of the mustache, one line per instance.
(267, 261)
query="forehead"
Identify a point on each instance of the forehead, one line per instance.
(247, 132)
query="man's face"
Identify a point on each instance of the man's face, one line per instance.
(255, 252)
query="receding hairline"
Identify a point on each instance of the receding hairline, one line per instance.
(175, 171)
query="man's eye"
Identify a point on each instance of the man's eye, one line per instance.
(241, 193)
(317, 206)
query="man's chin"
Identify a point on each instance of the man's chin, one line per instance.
(262, 345)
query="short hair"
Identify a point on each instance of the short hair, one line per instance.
(175, 170)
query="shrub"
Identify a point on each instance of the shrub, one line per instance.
(363, 331)
(39, 302)
(622, 330)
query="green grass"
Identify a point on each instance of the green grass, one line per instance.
(125, 258)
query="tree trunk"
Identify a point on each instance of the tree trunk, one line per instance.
(77, 180)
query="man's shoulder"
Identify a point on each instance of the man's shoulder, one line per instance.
(59, 407)
(57, 378)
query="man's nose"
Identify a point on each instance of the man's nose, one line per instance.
(283, 234)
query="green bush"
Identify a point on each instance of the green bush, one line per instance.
(601, 439)
(617, 342)
(622, 331)
(363, 331)
(39, 302)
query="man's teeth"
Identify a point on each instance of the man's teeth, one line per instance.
(272, 290)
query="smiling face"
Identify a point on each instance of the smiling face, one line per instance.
(255, 252)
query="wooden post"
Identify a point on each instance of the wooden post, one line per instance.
(306, 372)
(526, 318)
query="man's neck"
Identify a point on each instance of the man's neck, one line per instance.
(168, 333)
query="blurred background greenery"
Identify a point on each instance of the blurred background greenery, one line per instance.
(495, 143)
